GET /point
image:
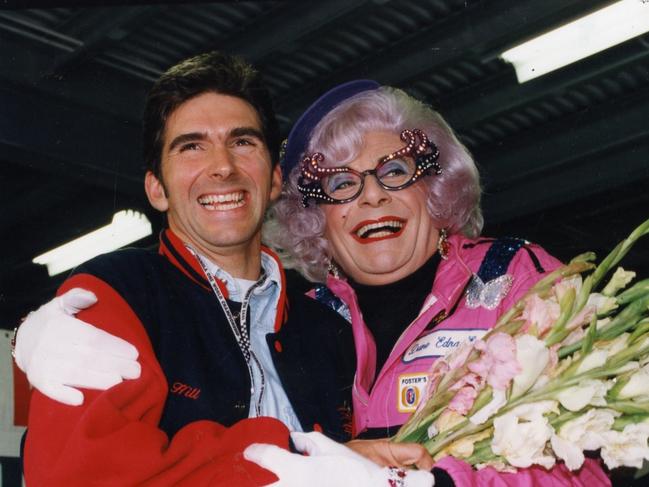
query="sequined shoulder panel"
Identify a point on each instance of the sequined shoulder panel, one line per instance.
(324, 295)
(489, 286)
(498, 257)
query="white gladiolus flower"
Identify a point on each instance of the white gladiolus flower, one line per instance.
(586, 430)
(626, 448)
(596, 358)
(627, 367)
(587, 392)
(533, 356)
(582, 433)
(521, 434)
(638, 384)
(617, 345)
(619, 281)
(447, 420)
(540, 382)
(497, 465)
(567, 451)
(498, 400)
(602, 303)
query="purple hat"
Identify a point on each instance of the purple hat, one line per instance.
(301, 132)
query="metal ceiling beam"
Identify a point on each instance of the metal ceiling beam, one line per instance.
(585, 177)
(594, 151)
(36, 33)
(93, 32)
(96, 87)
(479, 29)
(288, 25)
(471, 107)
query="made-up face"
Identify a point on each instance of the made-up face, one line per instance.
(381, 236)
(217, 179)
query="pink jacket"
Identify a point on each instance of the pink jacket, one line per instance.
(393, 396)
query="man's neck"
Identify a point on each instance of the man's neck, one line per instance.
(240, 261)
(238, 265)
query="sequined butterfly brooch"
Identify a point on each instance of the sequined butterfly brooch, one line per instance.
(487, 294)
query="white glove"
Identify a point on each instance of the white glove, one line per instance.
(59, 352)
(329, 464)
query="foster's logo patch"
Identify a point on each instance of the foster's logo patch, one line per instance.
(410, 390)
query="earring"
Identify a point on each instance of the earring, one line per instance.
(443, 246)
(332, 269)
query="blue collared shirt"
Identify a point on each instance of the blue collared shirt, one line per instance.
(263, 307)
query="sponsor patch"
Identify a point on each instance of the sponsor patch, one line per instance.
(439, 343)
(410, 389)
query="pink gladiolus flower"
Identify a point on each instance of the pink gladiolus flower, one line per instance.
(463, 400)
(468, 388)
(554, 358)
(582, 318)
(497, 364)
(439, 368)
(566, 284)
(457, 358)
(542, 312)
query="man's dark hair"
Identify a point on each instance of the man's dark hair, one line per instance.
(210, 72)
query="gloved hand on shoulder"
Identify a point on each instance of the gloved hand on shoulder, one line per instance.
(59, 353)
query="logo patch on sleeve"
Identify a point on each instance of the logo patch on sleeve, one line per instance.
(440, 343)
(410, 390)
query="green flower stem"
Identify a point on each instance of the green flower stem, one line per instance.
(594, 279)
(441, 441)
(620, 423)
(634, 292)
(482, 453)
(576, 266)
(417, 431)
(641, 328)
(630, 407)
(623, 321)
(589, 338)
(559, 331)
(618, 252)
(484, 397)
(558, 421)
(620, 381)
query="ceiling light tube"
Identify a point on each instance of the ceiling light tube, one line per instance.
(581, 38)
(127, 226)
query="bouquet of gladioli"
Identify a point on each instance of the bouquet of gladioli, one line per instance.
(565, 370)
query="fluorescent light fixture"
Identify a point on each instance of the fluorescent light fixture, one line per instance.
(581, 38)
(127, 226)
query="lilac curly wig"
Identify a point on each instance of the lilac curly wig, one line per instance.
(297, 233)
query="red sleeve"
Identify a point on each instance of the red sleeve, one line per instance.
(114, 439)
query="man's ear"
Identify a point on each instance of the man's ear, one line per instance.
(276, 183)
(155, 191)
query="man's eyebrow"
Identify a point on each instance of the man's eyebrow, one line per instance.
(183, 138)
(252, 131)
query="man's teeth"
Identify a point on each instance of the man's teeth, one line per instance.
(380, 229)
(227, 201)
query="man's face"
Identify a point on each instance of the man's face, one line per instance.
(381, 236)
(216, 175)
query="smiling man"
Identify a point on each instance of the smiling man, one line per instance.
(220, 355)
